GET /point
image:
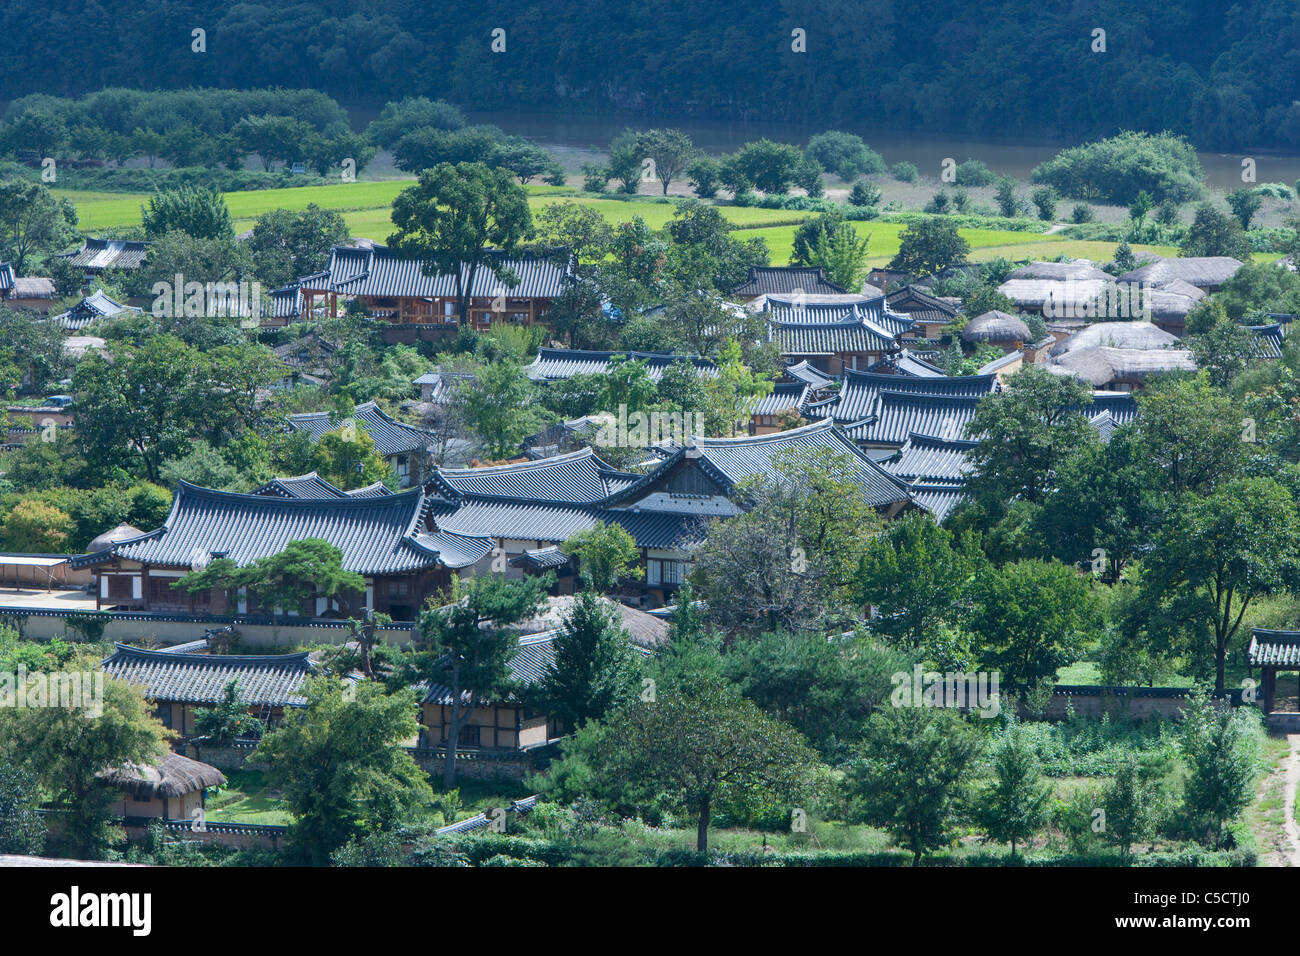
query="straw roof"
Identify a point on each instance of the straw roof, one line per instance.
(995, 326)
(1204, 272)
(1081, 269)
(123, 532)
(173, 776)
(1101, 365)
(1120, 335)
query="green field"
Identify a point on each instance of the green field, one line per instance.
(366, 208)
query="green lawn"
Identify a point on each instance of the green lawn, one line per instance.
(246, 798)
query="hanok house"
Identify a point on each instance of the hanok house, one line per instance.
(1276, 653)
(90, 309)
(510, 723)
(930, 314)
(171, 789)
(532, 506)
(97, 256)
(31, 292)
(834, 336)
(1207, 273)
(398, 290)
(382, 538)
(784, 281)
(182, 680)
(880, 411)
(405, 447)
(552, 365)
(1001, 329)
(1119, 356)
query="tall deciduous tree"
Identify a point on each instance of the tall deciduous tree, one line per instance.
(928, 246)
(671, 150)
(67, 748)
(700, 744)
(931, 750)
(1024, 433)
(1031, 618)
(789, 559)
(466, 646)
(340, 766)
(457, 218)
(605, 554)
(1014, 805)
(1214, 557)
(917, 576)
(32, 222)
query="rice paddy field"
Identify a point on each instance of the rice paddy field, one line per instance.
(366, 208)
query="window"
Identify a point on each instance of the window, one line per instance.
(403, 466)
(399, 588)
(119, 587)
(673, 572)
(468, 736)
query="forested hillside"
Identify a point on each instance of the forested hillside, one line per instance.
(1225, 76)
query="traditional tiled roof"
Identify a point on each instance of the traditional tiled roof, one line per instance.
(390, 437)
(860, 392)
(528, 665)
(786, 280)
(377, 535)
(95, 306)
(382, 273)
(96, 255)
(1123, 408)
(1275, 648)
(784, 395)
(899, 414)
(553, 364)
(920, 305)
(522, 520)
(579, 477)
(928, 458)
(6, 279)
(809, 374)
(1269, 340)
(907, 363)
(272, 680)
(852, 335)
(937, 498)
(285, 302)
(541, 559)
(735, 459)
(310, 485)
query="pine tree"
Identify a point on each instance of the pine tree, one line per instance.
(1015, 805)
(595, 667)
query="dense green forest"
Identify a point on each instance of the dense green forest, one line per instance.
(1224, 75)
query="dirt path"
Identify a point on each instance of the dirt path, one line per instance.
(1292, 778)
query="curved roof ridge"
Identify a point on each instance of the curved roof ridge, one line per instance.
(212, 660)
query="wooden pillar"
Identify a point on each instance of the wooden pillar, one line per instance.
(1270, 677)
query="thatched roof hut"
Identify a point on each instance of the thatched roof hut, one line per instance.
(996, 327)
(173, 776)
(1204, 272)
(1081, 269)
(1119, 335)
(1103, 366)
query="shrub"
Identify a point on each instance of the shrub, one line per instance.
(974, 172)
(904, 172)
